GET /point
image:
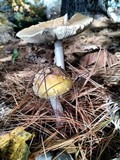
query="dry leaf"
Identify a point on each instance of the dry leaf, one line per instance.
(99, 59)
(76, 47)
(13, 144)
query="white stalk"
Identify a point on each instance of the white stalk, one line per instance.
(59, 61)
(59, 54)
(56, 105)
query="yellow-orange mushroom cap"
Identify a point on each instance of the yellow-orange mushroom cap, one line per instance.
(51, 82)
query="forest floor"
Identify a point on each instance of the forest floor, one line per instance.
(93, 62)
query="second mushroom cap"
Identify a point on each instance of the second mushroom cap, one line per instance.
(51, 82)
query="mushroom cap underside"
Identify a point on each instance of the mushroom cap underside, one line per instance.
(51, 82)
(56, 29)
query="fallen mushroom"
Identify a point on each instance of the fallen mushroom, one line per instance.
(55, 31)
(51, 82)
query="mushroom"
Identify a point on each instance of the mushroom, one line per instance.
(55, 31)
(51, 82)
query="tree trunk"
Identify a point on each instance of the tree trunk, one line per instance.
(87, 7)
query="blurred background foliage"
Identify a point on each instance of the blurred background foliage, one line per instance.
(21, 13)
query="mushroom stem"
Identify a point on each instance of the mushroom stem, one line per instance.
(59, 61)
(59, 55)
(56, 105)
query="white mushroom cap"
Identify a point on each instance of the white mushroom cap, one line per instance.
(56, 29)
(51, 82)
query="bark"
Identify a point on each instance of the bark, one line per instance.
(87, 7)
